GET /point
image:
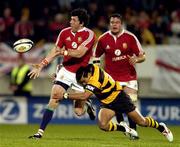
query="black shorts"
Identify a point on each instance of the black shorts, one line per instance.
(122, 104)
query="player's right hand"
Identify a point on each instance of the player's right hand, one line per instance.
(132, 59)
(59, 51)
(35, 72)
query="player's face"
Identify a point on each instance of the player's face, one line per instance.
(84, 80)
(75, 24)
(115, 25)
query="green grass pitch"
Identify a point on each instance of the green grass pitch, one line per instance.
(82, 136)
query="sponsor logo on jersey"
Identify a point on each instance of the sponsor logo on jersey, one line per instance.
(117, 52)
(119, 58)
(91, 88)
(68, 38)
(107, 47)
(74, 45)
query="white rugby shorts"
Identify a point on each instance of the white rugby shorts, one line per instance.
(131, 84)
(68, 78)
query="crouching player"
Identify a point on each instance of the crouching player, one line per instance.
(113, 100)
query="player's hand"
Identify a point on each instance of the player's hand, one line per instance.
(35, 72)
(132, 59)
(53, 76)
(59, 51)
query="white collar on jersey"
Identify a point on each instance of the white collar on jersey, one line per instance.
(81, 29)
(118, 34)
(78, 30)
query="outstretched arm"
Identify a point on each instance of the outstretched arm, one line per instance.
(78, 96)
(49, 58)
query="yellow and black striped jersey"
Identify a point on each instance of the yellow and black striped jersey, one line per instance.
(103, 86)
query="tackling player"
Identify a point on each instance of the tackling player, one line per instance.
(122, 51)
(75, 44)
(113, 99)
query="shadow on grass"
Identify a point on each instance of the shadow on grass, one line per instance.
(74, 139)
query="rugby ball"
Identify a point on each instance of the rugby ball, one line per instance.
(23, 45)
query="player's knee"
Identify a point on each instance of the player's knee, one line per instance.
(79, 111)
(102, 125)
(57, 96)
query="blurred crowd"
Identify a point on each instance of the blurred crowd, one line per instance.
(152, 21)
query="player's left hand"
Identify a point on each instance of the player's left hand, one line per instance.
(132, 59)
(35, 71)
(53, 76)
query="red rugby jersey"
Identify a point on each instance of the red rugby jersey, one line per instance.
(71, 40)
(116, 50)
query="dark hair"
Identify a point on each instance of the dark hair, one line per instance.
(116, 15)
(83, 71)
(80, 73)
(82, 15)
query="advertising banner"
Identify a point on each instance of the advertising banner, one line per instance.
(21, 110)
(64, 114)
(163, 110)
(13, 110)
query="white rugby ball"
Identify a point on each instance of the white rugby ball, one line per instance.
(23, 45)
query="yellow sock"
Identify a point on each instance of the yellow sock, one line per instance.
(112, 126)
(152, 123)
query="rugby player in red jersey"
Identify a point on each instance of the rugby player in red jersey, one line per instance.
(122, 52)
(75, 43)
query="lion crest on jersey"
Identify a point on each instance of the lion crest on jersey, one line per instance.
(117, 52)
(124, 45)
(79, 39)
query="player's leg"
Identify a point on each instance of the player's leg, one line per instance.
(104, 122)
(130, 89)
(133, 95)
(81, 106)
(56, 96)
(78, 107)
(57, 91)
(90, 109)
(150, 122)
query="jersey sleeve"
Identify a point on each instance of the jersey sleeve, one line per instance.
(59, 41)
(91, 88)
(99, 49)
(93, 85)
(136, 46)
(89, 42)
